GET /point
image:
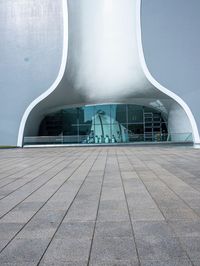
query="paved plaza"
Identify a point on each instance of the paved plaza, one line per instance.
(79, 206)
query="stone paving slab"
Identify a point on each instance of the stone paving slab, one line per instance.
(106, 206)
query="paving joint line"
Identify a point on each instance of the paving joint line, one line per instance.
(38, 187)
(43, 205)
(176, 236)
(28, 172)
(192, 186)
(130, 220)
(100, 194)
(33, 179)
(18, 178)
(65, 214)
(161, 180)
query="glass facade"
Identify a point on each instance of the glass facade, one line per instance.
(114, 123)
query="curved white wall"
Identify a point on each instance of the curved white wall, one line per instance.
(105, 63)
(178, 123)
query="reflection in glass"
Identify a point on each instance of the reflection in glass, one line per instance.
(105, 124)
(135, 114)
(121, 113)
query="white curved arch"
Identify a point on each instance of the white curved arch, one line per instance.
(57, 80)
(156, 83)
(142, 63)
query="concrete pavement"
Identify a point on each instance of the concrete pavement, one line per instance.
(100, 206)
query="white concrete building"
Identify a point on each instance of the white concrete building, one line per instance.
(80, 75)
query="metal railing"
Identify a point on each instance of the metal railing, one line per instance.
(87, 139)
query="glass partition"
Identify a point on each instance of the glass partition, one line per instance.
(102, 124)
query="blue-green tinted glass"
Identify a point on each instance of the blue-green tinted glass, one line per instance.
(102, 130)
(102, 114)
(86, 114)
(113, 109)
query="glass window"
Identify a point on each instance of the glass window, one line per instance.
(103, 133)
(135, 114)
(135, 132)
(103, 124)
(136, 128)
(113, 111)
(85, 114)
(102, 114)
(70, 122)
(121, 113)
(84, 129)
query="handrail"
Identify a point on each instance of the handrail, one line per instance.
(88, 139)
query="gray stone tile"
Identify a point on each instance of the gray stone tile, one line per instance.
(113, 249)
(152, 228)
(129, 175)
(17, 216)
(186, 228)
(114, 263)
(82, 212)
(37, 231)
(8, 230)
(151, 214)
(59, 262)
(75, 230)
(68, 250)
(192, 246)
(113, 229)
(196, 262)
(178, 167)
(27, 206)
(113, 211)
(170, 262)
(17, 264)
(43, 225)
(179, 213)
(158, 247)
(197, 209)
(23, 251)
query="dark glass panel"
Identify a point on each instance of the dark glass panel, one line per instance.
(135, 132)
(135, 113)
(52, 125)
(84, 129)
(70, 122)
(136, 128)
(121, 113)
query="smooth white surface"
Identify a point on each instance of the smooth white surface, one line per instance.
(178, 123)
(185, 107)
(111, 62)
(56, 82)
(108, 64)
